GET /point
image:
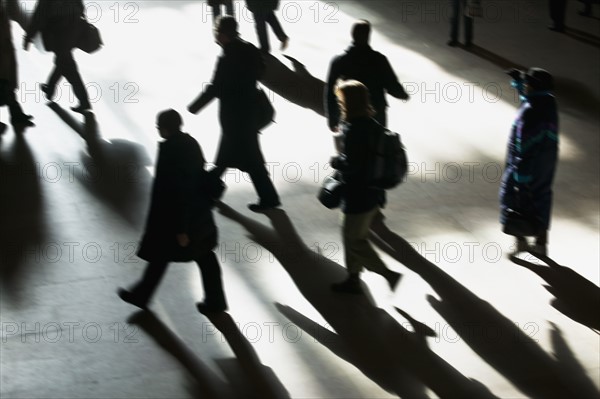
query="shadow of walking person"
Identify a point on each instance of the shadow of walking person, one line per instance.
(22, 222)
(494, 337)
(575, 296)
(297, 86)
(114, 170)
(366, 336)
(260, 380)
(208, 384)
(246, 376)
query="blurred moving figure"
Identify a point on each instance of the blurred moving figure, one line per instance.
(9, 76)
(370, 67)
(180, 225)
(532, 155)
(61, 23)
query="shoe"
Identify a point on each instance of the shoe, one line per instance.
(393, 280)
(129, 297)
(539, 249)
(205, 308)
(81, 109)
(49, 92)
(23, 120)
(284, 43)
(348, 286)
(452, 43)
(260, 207)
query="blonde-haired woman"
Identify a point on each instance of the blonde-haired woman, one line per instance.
(361, 202)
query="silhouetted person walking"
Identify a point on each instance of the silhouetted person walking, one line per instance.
(180, 225)
(60, 23)
(361, 202)
(216, 8)
(264, 13)
(532, 155)
(460, 11)
(558, 9)
(370, 67)
(234, 84)
(8, 75)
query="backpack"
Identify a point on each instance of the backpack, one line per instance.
(389, 162)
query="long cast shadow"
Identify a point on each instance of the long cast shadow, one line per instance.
(297, 86)
(22, 221)
(494, 337)
(367, 336)
(208, 384)
(247, 376)
(260, 378)
(575, 296)
(114, 170)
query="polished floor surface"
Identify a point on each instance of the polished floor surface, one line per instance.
(464, 321)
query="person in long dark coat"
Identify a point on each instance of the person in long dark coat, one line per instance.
(8, 75)
(264, 13)
(180, 225)
(60, 23)
(360, 62)
(234, 84)
(532, 155)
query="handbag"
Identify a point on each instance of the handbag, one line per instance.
(520, 224)
(330, 194)
(89, 39)
(265, 113)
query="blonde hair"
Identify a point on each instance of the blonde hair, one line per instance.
(354, 99)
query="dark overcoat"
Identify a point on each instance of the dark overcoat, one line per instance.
(180, 204)
(531, 159)
(369, 67)
(8, 64)
(59, 22)
(234, 84)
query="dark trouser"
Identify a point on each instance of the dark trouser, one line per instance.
(65, 65)
(211, 280)
(228, 9)
(262, 18)
(262, 183)
(14, 108)
(458, 11)
(558, 9)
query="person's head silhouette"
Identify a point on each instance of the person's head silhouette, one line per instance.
(168, 123)
(361, 32)
(226, 29)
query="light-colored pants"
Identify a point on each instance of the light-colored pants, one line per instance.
(358, 251)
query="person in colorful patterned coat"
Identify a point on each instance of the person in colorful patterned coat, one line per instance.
(532, 155)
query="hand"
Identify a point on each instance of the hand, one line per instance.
(183, 240)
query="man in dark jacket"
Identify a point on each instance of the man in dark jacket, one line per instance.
(371, 68)
(264, 13)
(180, 225)
(60, 23)
(532, 155)
(234, 84)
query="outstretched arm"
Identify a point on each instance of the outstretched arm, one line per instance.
(392, 85)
